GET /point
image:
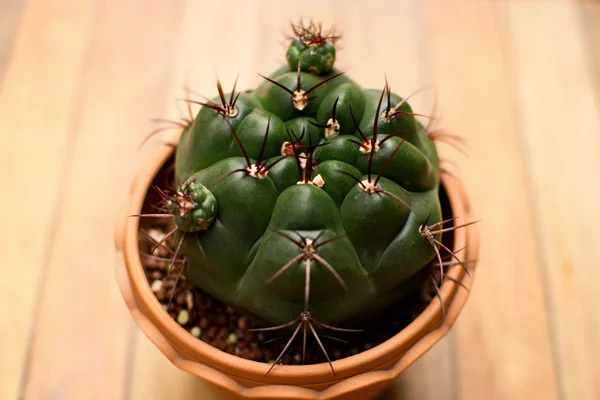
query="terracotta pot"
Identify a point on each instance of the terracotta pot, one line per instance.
(362, 376)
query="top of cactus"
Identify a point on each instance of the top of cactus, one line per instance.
(312, 49)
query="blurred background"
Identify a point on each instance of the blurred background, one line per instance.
(520, 80)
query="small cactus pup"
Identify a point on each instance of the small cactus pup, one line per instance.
(311, 48)
(309, 201)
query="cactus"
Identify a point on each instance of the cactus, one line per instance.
(309, 201)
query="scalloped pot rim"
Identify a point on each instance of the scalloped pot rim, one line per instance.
(360, 376)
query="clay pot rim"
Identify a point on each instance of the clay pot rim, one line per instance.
(421, 333)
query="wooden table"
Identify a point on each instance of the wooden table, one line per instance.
(80, 80)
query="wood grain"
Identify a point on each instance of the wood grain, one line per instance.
(43, 78)
(432, 377)
(10, 19)
(503, 339)
(520, 79)
(81, 348)
(561, 136)
(589, 19)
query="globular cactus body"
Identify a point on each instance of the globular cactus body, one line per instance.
(310, 191)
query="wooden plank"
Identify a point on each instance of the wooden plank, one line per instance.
(83, 329)
(503, 344)
(37, 98)
(367, 53)
(432, 377)
(589, 17)
(154, 377)
(10, 18)
(560, 129)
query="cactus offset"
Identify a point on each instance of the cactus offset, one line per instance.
(308, 201)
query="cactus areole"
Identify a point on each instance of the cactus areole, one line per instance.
(309, 198)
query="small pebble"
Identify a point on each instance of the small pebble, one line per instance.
(152, 263)
(189, 299)
(156, 234)
(183, 317)
(161, 252)
(242, 323)
(219, 344)
(223, 333)
(221, 319)
(161, 294)
(232, 338)
(196, 331)
(168, 284)
(211, 332)
(156, 286)
(204, 322)
(155, 275)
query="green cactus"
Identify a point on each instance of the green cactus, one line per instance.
(311, 49)
(309, 200)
